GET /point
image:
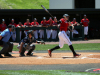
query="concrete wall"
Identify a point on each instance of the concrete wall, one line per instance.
(97, 4)
(61, 4)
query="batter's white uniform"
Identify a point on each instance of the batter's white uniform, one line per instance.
(62, 34)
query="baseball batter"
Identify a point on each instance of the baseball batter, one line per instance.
(64, 23)
(85, 23)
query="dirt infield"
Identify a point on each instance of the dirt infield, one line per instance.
(57, 58)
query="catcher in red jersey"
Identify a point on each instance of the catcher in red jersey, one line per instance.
(64, 24)
(85, 23)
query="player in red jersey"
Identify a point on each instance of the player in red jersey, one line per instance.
(74, 23)
(14, 32)
(64, 24)
(54, 31)
(35, 24)
(3, 26)
(20, 25)
(27, 24)
(85, 23)
(43, 24)
(48, 31)
(13, 23)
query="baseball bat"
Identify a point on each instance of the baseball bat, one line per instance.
(47, 11)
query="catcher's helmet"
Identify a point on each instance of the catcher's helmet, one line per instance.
(66, 15)
(30, 31)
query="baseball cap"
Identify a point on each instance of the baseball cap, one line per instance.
(44, 18)
(35, 19)
(54, 16)
(66, 15)
(3, 19)
(9, 26)
(74, 18)
(84, 14)
(50, 18)
(12, 19)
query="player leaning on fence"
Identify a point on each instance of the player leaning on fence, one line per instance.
(64, 24)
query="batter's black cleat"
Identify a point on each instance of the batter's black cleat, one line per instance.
(29, 54)
(7, 54)
(22, 55)
(1, 56)
(77, 55)
(49, 52)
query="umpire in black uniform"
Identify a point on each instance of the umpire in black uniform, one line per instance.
(26, 44)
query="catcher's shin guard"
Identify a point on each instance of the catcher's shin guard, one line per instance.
(31, 50)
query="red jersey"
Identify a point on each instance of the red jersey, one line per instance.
(14, 24)
(43, 23)
(74, 23)
(19, 25)
(27, 25)
(3, 27)
(55, 23)
(85, 22)
(50, 23)
(33, 23)
(63, 25)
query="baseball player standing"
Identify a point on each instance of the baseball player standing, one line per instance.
(74, 23)
(43, 24)
(35, 24)
(3, 26)
(54, 31)
(64, 23)
(85, 24)
(14, 32)
(50, 22)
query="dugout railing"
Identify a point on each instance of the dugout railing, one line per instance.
(81, 32)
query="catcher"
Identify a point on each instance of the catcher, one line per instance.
(26, 44)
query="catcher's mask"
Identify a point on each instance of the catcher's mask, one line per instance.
(30, 32)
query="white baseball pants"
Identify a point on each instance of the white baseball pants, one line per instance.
(63, 38)
(86, 30)
(35, 34)
(54, 34)
(41, 33)
(48, 33)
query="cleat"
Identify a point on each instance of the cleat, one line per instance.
(77, 55)
(1, 56)
(29, 54)
(49, 52)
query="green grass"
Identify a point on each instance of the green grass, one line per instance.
(42, 72)
(23, 4)
(89, 46)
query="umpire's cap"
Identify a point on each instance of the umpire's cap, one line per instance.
(66, 15)
(9, 26)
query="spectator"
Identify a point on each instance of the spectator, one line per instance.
(20, 26)
(50, 22)
(27, 24)
(54, 31)
(4, 42)
(74, 23)
(44, 24)
(3, 26)
(85, 24)
(14, 32)
(35, 24)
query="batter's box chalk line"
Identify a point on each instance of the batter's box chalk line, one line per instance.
(90, 57)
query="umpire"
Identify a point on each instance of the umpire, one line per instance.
(6, 45)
